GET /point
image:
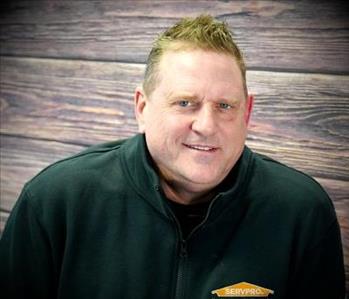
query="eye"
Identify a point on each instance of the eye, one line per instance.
(183, 103)
(224, 106)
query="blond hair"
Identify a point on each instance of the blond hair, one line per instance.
(203, 32)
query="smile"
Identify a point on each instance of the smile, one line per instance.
(203, 148)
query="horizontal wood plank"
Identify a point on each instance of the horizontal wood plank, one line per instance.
(303, 120)
(22, 158)
(3, 219)
(308, 35)
(70, 101)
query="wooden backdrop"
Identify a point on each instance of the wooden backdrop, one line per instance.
(69, 69)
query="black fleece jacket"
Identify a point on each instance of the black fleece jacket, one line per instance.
(97, 225)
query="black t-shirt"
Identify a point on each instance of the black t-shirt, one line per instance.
(189, 216)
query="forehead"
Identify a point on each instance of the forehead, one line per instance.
(200, 71)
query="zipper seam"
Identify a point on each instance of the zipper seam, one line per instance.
(206, 217)
(182, 259)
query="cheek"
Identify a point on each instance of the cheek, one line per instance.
(234, 133)
(153, 121)
(163, 130)
(173, 125)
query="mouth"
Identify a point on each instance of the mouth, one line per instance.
(201, 148)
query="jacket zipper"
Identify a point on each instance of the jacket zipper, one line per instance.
(183, 253)
(207, 214)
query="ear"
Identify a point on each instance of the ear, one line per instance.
(249, 106)
(140, 102)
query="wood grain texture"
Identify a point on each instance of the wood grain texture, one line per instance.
(69, 101)
(3, 218)
(272, 34)
(22, 158)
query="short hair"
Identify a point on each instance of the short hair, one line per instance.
(203, 32)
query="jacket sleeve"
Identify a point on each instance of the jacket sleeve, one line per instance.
(321, 272)
(25, 258)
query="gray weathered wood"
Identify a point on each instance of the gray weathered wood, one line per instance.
(69, 101)
(3, 218)
(22, 158)
(273, 34)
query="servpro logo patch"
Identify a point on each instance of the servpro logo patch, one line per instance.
(242, 289)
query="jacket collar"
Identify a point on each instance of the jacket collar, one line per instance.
(140, 171)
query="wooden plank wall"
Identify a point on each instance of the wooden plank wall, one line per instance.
(69, 69)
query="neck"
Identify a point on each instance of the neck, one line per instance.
(185, 196)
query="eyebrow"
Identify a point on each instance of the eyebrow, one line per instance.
(186, 95)
(194, 97)
(228, 100)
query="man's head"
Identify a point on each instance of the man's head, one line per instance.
(194, 108)
(203, 32)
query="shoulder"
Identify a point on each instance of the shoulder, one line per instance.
(74, 175)
(73, 189)
(292, 200)
(94, 158)
(290, 188)
(277, 175)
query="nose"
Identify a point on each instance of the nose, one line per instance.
(204, 121)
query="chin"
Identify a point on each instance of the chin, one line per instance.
(204, 180)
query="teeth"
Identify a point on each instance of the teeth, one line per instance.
(201, 148)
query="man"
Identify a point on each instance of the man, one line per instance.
(184, 210)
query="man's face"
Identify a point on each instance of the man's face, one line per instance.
(195, 121)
